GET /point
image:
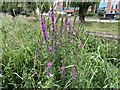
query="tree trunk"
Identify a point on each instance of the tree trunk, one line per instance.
(82, 18)
(93, 8)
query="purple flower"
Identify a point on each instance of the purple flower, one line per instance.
(55, 28)
(49, 64)
(52, 15)
(44, 34)
(47, 72)
(69, 25)
(76, 31)
(63, 68)
(74, 72)
(68, 22)
(51, 49)
(58, 43)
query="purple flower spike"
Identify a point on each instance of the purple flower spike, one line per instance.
(68, 22)
(47, 72)
(55, 28)
(52, 15)
(74, 72)
(49, 64)
(44, 34)
(69, 25)
(51, 49)
(63, 68)
(57, 43)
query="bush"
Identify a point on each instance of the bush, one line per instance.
(24, 8)
(90, 14)
(100, 13)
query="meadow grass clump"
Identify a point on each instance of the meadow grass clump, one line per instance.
(56, 54)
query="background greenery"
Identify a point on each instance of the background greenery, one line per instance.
(24, 8)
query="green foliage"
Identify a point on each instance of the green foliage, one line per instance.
(100, 13)
(46, 6)
(83, 8)
(8, 6)
(89, 14)
(24, 8)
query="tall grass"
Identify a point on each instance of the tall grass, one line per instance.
(25, 55)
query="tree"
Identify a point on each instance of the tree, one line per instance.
(83, 7)
(46, 6)
(24, 7)
(8, 6)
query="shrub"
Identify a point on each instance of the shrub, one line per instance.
(90, 14)
(100, 13)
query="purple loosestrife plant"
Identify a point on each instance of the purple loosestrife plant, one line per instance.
(49, 64)
(68, 22)
(69, 25)
(53, 22)
(47, 72)
(58, 43)
(51, 48)
(73, 32)
(63, 68)
(52, 16)
(74, 72)
(61, 27)
(68, 30)
(44, 34)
